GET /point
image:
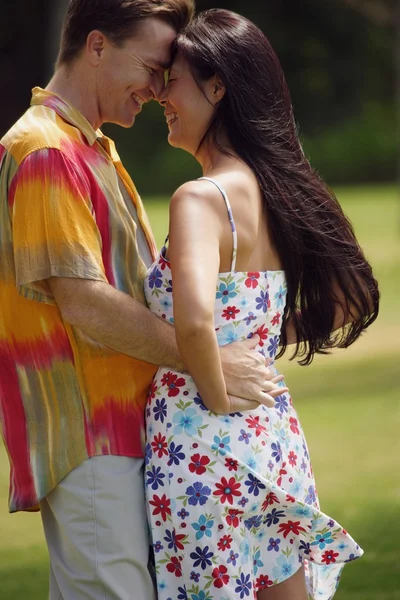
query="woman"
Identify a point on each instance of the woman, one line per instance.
(258, 245)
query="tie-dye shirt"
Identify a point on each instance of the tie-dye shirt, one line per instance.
(67, 209)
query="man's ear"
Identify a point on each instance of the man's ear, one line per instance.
(95, 46)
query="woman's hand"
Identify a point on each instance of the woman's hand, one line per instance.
(247, 376)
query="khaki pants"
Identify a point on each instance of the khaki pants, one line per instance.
(96, 532)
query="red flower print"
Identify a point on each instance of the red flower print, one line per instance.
(254, 423)
(275, 319)
(162, 506)
(270, 499)
(163, 263)
(251, 281)
(230, 312)
(173, 383)
(263, 333)
(227, 489)
(220, 576)
(198, 464)
(329, 556)
(232, 518)
(232, 464)
(152, 391)
(160, 445)
(282, 471)
(225, 543)
(292, 527)
(290, 498)
(292, 459)
(263, 582)
(294, 425)
(175, 567)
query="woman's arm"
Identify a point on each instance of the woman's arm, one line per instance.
(195, 233)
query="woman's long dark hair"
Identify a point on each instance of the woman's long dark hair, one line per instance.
(324, 264)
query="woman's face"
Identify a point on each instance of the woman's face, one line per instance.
(187, 110)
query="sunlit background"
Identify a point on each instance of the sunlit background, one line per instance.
(339, 57)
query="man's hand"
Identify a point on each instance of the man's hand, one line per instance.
(249, 381)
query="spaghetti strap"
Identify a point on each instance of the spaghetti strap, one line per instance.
(231, 220)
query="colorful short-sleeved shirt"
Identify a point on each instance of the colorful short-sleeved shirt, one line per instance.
(67, 209)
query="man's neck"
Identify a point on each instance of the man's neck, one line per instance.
(78, 90)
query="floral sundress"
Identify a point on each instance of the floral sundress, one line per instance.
(232, 502)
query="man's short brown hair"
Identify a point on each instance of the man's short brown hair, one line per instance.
(117, 19)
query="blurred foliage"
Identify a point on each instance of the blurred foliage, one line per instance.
(338, 57)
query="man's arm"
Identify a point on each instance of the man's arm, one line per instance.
(116, 320)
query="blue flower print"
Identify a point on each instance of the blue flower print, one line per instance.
(273, 545)
(155, 478)
(285, 567)
(203, 527)
(199, 402)
(244, 552)
(250, 317)
(160, 410)
(201, 557)
(202, 595)
(232, 558)
(311, 496)
(187, 421)
(157, 546)
(262, 301)
(148, 453)
(273, 345)
(322, 540)
(221, 445)
(183, 513)
(225, 292)
(253, 522)
(305, 547)
(273, 517)
(243, 501)
(243, 585)
(257, 562)
(303, 511)
(305, 451)
(182, 593)
(277, 451)
(245, 436)
(280, 296)
(166, 303)
(230, 333)
(254, 485)
(198, 494)
(170, 538)
(281, 404)
(175, 454)
(155, 278)
(169, 288)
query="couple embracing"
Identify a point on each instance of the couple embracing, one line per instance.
(121, 367)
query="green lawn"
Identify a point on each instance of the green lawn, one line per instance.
(349, 406)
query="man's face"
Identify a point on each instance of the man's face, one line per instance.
(128, 76)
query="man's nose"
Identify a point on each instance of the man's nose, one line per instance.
(158, 90)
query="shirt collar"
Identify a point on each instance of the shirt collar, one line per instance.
(68, 112)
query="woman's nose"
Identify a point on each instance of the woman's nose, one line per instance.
(162, 96)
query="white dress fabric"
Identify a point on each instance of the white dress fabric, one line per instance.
(232, 501)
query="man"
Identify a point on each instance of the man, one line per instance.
(78, 347)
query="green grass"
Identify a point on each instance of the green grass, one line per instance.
(349, 407)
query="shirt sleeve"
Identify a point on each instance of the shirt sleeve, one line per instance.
(54, 227)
